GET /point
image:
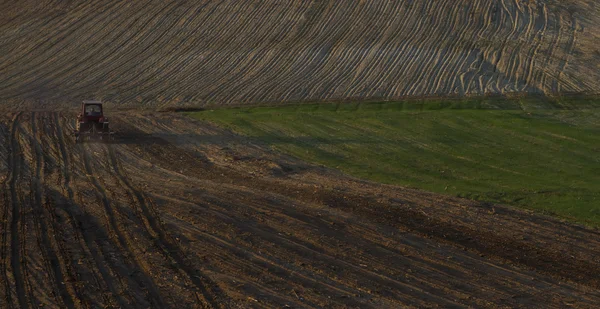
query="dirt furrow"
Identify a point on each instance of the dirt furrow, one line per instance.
(40, 20)
(6, 213)
(15, 163)
(78, 219)
(249, 62)
(211, 295)
(82, 65)
(61, 219)
(154, 32)
(44, 229)
(179, 213)
(116, 232)
(41, 66)
(238, 52)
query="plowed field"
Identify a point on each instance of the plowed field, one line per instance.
(177, 213)
(164, 53)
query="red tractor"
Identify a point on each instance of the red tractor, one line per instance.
(91, 123)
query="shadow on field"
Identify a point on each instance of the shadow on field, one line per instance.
(137, 138)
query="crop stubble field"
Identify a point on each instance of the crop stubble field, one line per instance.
(163, 53)
(180, 213)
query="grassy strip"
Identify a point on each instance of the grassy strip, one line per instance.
(531, 153)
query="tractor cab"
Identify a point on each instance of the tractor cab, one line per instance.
(91, 123)
(91, 111)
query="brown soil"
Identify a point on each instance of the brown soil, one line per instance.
(171, 54)
(179, 214)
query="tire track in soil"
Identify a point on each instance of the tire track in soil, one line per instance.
(16, 225)
(51, 259)
(86, 239)
(59, 223)
(286, 263)
(212, 296)
(5, 215)
(116, 232)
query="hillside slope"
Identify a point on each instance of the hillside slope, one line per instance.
(236, 52)
(181, 214)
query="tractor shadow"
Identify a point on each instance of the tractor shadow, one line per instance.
(137, 138)
(165, 139)
(132, 136)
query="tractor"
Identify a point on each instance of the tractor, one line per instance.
(91, 123)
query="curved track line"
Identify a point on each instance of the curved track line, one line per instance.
(82, 234)
(5, 213)
(44, 229)
(15, 226)
(218, 53)
(168, 245)
(118, 234)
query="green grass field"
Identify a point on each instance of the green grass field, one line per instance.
(529, 153)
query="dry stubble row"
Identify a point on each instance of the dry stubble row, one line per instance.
(239, 52)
